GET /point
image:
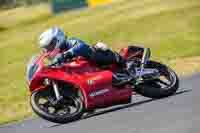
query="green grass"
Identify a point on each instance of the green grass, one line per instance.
(170, 28)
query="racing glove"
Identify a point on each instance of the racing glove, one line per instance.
(59, 58)
(68, 54)
(62, 57)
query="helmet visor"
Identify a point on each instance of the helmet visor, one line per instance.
(51, 46)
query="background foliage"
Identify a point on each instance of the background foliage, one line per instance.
(5, 4)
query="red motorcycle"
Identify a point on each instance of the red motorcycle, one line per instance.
(64, 92)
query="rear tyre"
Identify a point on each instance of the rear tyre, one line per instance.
(158, 88)
(41, 105)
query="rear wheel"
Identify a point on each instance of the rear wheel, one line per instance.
(166, 85)
(70, 108)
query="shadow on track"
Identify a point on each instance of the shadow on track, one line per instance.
(124, 107)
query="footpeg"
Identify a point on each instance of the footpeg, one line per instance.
(121, 79)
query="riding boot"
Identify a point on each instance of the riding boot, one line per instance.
(126, 72)
(128, 67)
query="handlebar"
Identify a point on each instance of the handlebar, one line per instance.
(58, 64)
(52, 64)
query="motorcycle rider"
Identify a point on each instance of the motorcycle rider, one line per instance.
(54, 38)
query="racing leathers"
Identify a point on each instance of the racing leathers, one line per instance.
(74, 47)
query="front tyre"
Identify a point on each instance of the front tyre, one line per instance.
(70, 110)
(164, 86)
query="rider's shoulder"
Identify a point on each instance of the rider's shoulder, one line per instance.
(74, 40)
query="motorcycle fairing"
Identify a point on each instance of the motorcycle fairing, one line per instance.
(99, 91)
(95, 85)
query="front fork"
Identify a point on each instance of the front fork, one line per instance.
(56, 90)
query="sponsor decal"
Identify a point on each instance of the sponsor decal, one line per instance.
(90, 82)
(92, 79)
(99, 92)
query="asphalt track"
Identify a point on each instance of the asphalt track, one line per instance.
(176, 114)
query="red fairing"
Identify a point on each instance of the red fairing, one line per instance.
(95, 84)
(99, 91)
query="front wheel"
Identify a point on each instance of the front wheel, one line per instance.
(166, 85)
(70, 109)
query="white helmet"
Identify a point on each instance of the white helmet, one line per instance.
(53, 35)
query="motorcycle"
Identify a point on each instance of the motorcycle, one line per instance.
(62, 93)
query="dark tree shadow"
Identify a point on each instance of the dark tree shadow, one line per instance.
(2, 28)
(125, 106)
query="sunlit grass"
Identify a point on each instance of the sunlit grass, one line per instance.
(23, 15)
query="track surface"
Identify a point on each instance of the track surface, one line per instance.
(176, 114)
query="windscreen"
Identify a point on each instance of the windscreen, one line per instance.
(31, 68)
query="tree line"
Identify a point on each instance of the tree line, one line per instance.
(5, 4)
